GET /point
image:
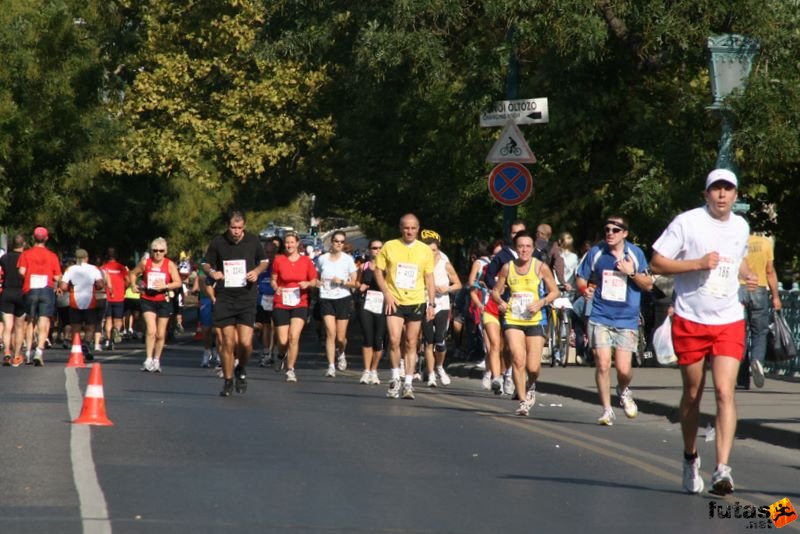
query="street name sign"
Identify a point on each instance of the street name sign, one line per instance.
(527, 111)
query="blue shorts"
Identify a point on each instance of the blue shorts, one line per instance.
(40, 302)
(205, 312)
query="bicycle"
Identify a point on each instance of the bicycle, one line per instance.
(558, 329)
(510, 148)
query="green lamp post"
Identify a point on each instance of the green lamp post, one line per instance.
(731, 58)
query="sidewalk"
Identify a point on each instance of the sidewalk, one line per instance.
(771, 414)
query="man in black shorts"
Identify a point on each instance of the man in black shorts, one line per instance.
(12, 304)
(235, 259)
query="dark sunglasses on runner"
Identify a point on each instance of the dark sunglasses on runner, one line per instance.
(612, 230)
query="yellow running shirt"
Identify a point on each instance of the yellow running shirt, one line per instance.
(525, 289)
(405, 267)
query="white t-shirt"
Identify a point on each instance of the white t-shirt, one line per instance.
(712, 296)
(570, 266)
(441, 279)
(342, 268)
(82, 277)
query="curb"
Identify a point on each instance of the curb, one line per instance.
(745, 428)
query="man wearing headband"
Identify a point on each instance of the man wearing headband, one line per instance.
(703, 248)
(617, 268)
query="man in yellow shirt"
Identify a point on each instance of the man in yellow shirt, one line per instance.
(404, 273)
(760, 259)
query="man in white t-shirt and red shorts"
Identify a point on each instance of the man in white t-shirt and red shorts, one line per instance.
(703, 248)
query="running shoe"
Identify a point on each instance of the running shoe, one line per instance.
(608, 418)
(240, 380)
(291, 376)
(692, 481)
(156, 365)
(17, 361)
(530, 396)
(722, 481)
(444, 378)
(627, 403)
(508, 386)
(206, 359)
(98, 347)
(523, 409)
(116, 338)
(341, 362)
(374, 379)
(28, 359)
(365, 377)
(266, 360)
(179, 328)
(331, 372)
(280, 363)
(148, 365)
(108, 345)
(757, 370)
(38, 358)
(227, 388)
(7, 360)
(432, 380)
(486, 381)
(408, 391)
(481, 365)
(394, 389)
(497, 386)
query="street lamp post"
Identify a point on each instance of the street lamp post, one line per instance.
(731, 58)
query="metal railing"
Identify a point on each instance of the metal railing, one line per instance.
(791, 311)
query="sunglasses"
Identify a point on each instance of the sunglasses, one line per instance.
(338, 241)
(158, 250)
(612, 230)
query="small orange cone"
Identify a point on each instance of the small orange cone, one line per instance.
(93, 411)
(76, 354)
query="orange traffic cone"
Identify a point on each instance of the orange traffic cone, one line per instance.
(93, 411)
(76, 354)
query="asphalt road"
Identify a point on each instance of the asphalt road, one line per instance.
(330, 455)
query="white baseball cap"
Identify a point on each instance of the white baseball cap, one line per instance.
(721, 175)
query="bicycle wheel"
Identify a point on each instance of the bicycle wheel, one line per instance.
(564, 327)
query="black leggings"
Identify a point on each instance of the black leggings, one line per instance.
(373, 328)
(434, 332)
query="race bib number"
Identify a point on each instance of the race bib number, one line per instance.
(290, 296)
(267, 301)
(519, 306)
(615, 286)
(38, 281)
(235, 273)
(373, 301)
(155, 277)
(721, 280)
(405, 276)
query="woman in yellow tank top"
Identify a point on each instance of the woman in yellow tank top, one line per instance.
(523, 330)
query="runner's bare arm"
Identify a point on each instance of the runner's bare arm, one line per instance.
(662, 265)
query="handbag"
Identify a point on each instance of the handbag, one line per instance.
(780, 343)
(662, 343)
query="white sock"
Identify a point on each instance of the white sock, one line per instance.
(395, 373)
(409, 380)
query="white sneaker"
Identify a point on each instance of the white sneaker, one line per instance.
(291, 376)
(722, 481)
(374, 379)
(341, 362)
(608, 417)
(408, 391)
(627, 403)
(757, 370)
(530, 396)
(206, 359)
(394, 389)
(692, 481)
(156, 366)
(365, 377)
(432, 380)
(148, 365)
(98, 347)
(444, 378)
(508, 386)
(486, 381)
(497, 386)
(523, 409)
(331, 372)
(481, 365)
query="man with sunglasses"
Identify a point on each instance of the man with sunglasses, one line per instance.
(234, 260)
(618, 270)
(703, 249)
